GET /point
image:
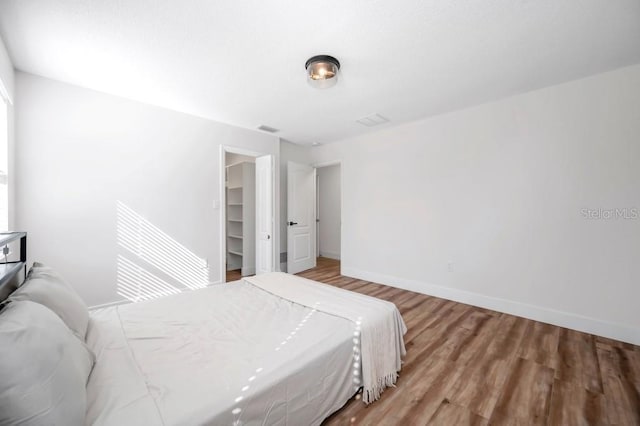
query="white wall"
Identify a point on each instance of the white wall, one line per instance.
(498, 191)
(79, 152)
(6, 70)
(7, 79)
(298, 154)
(329, 211)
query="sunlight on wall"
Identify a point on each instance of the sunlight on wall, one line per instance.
(150, 244)
(137, 284)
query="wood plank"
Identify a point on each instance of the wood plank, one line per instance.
(616, 343)
(479, 387)
(506, 342)
(620, 362)
(540, 343)
(577, 360)
(623, 401)
(233, 275)
(621, 384)
(571, 404)
(478, 329)
(402, 297)
(525, 396)
(420, 396)
(451, 414)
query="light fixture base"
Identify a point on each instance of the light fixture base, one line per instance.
(322, 71)
(322, 58)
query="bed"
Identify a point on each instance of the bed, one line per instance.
(222, 355)
(244, 353)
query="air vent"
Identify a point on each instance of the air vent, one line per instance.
(372, 120)
(268, 129)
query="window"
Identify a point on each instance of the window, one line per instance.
(4, 164)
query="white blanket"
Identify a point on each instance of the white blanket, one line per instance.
(379, 325)
(225, 355)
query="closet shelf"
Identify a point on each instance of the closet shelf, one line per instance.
(240, 217)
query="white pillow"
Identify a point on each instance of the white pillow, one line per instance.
(43, 368)
(43, 285)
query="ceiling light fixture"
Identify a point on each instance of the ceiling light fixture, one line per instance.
(322, 71)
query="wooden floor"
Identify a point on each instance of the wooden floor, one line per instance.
(472, 366)
(233, 275)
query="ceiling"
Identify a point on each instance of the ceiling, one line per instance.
(242, 62)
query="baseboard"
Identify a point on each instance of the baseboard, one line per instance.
(330, 254)
(598, 327)
(110, 304)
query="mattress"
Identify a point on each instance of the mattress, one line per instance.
(224, 355)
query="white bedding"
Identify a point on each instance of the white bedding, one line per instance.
(379, 325)
(225, 355)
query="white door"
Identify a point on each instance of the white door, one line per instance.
(264, 214)
(301, 217)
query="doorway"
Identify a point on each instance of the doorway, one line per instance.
(240, 211)
(313, 222)
(328, 211)
(246, 213)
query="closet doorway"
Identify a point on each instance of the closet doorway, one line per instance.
(246, 214)
(240, 209)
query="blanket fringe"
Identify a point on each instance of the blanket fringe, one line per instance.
(372, 394)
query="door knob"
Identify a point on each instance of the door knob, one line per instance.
(293, 223)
